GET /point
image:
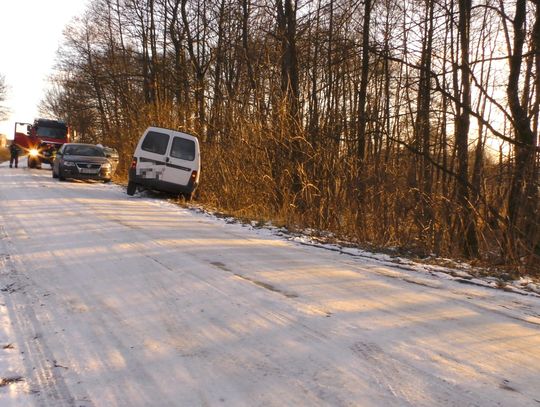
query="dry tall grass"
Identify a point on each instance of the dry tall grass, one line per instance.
(4, 154)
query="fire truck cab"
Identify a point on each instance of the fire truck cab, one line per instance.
(40, 140)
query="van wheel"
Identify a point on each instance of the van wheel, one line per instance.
(131, 188)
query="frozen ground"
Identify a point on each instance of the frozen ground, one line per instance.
(110, 300)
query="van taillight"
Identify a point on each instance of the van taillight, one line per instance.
(193, 176)
(134, 163)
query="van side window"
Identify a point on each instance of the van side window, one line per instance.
(155, 142)
(183, 149)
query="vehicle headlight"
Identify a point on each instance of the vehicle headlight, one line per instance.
(69, 164)
(106, 166)
(34, 152)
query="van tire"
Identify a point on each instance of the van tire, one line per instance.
(131, 188)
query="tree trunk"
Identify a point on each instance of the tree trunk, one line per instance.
(466, 215)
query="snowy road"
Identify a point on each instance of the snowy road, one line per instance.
(110, 300)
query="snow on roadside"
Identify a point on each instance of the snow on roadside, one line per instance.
(458, 273)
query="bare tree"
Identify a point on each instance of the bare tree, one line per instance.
(466, 217)
(521, 198)
(3, 97)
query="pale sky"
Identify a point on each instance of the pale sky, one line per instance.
(30, 34)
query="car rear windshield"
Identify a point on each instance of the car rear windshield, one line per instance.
(87, 151)
(183, 149)
(155, 142)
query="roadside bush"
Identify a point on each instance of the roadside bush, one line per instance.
(4, 154)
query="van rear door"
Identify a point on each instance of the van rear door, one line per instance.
(181, 160)
(153, 150)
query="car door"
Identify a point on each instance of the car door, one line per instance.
(180, 160)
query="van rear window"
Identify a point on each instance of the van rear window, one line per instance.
(183, 149)
(155, 142)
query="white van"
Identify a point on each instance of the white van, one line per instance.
(165, 160)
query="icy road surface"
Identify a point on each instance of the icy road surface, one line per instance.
(110, 300)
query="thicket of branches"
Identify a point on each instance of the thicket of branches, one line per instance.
(392, 123)
(3, 96)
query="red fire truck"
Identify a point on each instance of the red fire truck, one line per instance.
(40, 140)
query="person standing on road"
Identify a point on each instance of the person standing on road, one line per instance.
(14, 155)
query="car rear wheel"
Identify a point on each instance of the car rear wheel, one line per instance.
(131, 188)
(61, 175)
(54, 174)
